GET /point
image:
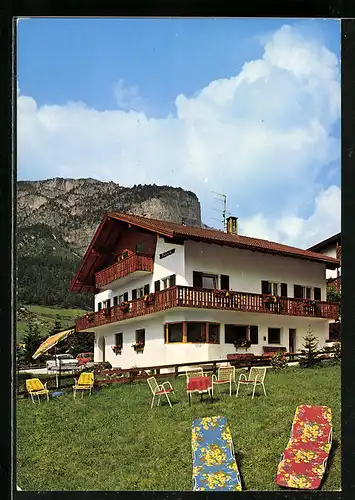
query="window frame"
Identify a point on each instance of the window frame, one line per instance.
(311, 293)
(184, 332)
(137, 333)
(119, 344)
(247, 336)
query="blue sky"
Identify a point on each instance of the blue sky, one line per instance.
(157, 72)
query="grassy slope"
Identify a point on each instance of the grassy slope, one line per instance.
(45, 318)
(118, 443)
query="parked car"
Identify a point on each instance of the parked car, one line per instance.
(62, 361)
(85, 357)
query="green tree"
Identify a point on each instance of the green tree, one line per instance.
(32, 341)
(333, 295)
(310, 350)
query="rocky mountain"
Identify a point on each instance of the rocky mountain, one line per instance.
(56, 219)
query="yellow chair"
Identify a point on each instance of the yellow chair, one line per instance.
(35, 388)
(85, 382)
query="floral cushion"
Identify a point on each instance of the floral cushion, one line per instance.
(214, 465)
(305, 457)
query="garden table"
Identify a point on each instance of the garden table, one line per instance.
(202, 385)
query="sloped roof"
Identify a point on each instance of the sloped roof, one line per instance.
(173, 230)
(336, 238)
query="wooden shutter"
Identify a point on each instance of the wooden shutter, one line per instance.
(173, 280)
(146, 289)
(125, 296)
(115, 301)
(134, 294)
(297, 291)
(197, 279)
(157, 286)
(317, 293)
(224, 282)
(283, 289)
(254, 334)
(108, 303)
(99, 306)
(264, 287)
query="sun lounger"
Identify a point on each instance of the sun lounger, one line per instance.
(304, 460)
(214, 465)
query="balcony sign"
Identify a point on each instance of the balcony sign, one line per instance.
(167, 253)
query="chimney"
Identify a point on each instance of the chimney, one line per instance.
(232, 225)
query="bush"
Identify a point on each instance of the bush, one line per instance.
(278, 360)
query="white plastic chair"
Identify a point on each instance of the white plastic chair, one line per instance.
(195, 372)
(256, 377)
(225, 375)
(158, 390)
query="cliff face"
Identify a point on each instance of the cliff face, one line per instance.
(76, 206)
(57, 218)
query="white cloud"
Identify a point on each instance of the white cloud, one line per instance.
(263, 137)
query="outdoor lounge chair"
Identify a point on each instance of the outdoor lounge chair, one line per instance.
(35, 388)
(213, 464)
(256, 377)
(85, 383)
(159, 390)
(304, 460)
(225, 375)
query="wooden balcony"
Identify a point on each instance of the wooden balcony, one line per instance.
(184, 296)
(123, 268)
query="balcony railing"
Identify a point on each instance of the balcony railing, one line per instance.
(123, 268)
(184, 296)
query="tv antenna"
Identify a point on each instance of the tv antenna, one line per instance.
(223, 198)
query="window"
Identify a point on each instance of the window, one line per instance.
(121, 298)
(169, 281)
(196, 332)
(146, 289)
(140, 336)
(157, 286)
(317, 293)
(274, 288)
(298, 292)
(283, 289)
(107, 303)
(119, 339)
(307, 292)
(140, 292)
(125, 296)
(192, 332)
(234, 332)
(99, 306)
(115, 300)
(224, 282)
(274, 335)
(134, 294)
(213, 333)
(174, 332)
(254, 334)
(210, 281)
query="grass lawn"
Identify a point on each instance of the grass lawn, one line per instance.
(45, 318)
(113, 441)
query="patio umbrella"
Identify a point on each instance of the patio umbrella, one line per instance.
(51, 342)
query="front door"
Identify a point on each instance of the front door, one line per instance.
(102, 347)
(292, 340)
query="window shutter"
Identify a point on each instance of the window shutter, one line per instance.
(173, 280)
(224, 282)
(134, 294)
(254, 334)
(108, 303)
(157, 286)
(197, 279)
(283, 289)
(99, 306)
(297, 291)
(146, 289)
(317, 293)
(264, 287)
(115, 300)
(125, 296)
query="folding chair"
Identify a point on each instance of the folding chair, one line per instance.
(35, 388)
(304, 460)
(214, 466)
(85, 383)
(158, 390)
(225, 375)
(256, 377)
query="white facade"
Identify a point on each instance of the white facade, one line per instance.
(331, 251)
(246, 269)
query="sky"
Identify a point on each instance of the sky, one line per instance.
(249, 108)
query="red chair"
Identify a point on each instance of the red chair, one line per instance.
(304, 460)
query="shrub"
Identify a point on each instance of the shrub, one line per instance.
(310, 350)
(278, 360)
